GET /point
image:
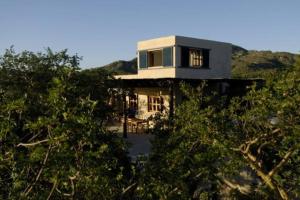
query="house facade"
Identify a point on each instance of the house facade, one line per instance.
(182, 57)
(163, 63)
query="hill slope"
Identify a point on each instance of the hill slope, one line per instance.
(258, 64)
(245, 63)
(119, 67)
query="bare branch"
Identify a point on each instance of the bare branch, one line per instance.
(52, 189)
(60, 192)
(32, 144)
(29, 188)
(246, 146)
(282, 162)
(261, 146)
(237, 186)
(130, 187)
(38, 142)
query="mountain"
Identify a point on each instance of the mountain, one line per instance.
(259, 64)
(118, 67)
(245, 63)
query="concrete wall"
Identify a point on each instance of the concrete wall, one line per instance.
(153, 72)
(156, 43)
(219, 59)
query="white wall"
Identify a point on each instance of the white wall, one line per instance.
(219, 59)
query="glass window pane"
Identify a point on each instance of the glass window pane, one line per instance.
(143, 59)
(168, 56)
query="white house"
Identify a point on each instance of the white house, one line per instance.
(163, 63)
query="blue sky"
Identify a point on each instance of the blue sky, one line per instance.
(104, 31)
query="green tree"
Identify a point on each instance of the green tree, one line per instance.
(185, 161)
(52, 144)
(215, 139)
(264, 129)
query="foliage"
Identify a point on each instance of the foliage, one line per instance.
(184, 162)
(264, 128)
(52, 141)
(118, 67)
(215, 142)
(260, 64)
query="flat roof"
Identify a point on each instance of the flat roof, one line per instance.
(183, 37)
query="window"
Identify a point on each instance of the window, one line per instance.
(133, 102)
(155, 58)
(168, 56)
(143, 59)
(155, 103)
(195, 58)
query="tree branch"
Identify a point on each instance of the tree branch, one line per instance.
(129, 188)
(282, 162)
(33, 143)
(52, 189)
(29, 188)
(38, 142)
(271, 183)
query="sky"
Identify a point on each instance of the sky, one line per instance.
(103, 31)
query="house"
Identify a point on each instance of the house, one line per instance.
(182, 57)
(163, 63)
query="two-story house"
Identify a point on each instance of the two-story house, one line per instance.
(165, 62)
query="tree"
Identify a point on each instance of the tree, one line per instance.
(185, 160)
(215, 139)
(263, 127)
(52, 144)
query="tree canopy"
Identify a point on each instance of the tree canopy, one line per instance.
(249, 145)
(54, 143)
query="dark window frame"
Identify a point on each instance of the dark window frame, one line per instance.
(185, 57)
(155, 103)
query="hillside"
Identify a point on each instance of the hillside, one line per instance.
(254, 64)
(245, 63)
(119, 67)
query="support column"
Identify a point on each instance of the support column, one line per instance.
(171, 103)
(125, 113)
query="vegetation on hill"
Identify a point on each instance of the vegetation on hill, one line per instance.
(245, 64)
(118, 67)
(260, 64)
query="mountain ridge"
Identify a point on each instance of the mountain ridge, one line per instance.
(245, 63)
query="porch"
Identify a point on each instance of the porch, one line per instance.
(169, 88)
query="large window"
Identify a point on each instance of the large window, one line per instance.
(155, 103)
(195, 58)
(156, 58)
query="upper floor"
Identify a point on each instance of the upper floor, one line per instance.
(182, 57)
